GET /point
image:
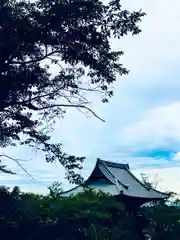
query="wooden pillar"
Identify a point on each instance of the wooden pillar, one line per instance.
(132, 207)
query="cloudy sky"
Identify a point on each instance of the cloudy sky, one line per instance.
(142, 125)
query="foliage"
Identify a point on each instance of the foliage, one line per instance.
(164, 221)
(54, 53)
(147, 182)
(55, 189)
(88, 215)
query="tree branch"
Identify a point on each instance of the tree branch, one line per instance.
(14, 159)
(68, 105)
(20, 165)
(35, 60)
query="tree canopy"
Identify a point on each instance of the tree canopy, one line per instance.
(72, 36)
(88, 215)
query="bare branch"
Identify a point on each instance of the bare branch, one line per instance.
(71, 106)
(77, 107)
(91, 89)
(20, 165)
(19, 160)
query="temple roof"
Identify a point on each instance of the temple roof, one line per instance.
(117, 179)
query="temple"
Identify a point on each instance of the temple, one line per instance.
(116, 179)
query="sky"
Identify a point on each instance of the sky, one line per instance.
(142, 125)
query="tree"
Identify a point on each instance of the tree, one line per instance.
(72, 35)
(55, 189)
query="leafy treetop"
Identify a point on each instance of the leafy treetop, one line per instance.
(74, 37)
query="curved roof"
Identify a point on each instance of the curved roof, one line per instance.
(117, 179)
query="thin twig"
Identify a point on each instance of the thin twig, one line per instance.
(20, 160)
(18, 163)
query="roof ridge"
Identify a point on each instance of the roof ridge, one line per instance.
(113, 164)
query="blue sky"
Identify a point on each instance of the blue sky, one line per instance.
(142, 125)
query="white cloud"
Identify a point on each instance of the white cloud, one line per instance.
(8, 177)
(176, 156)
(167, 178)
(158, 44)
(159, 128)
